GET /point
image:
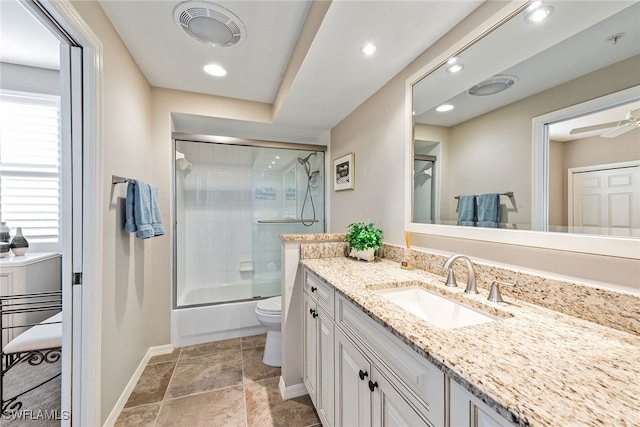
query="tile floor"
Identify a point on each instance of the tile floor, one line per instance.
(222, 383)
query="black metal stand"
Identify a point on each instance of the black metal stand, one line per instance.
(21, 304)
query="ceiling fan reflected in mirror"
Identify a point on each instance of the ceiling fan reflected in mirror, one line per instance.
(631, 121)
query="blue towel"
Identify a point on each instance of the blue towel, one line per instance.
(489, 210)
(467, 210)
(142, 214)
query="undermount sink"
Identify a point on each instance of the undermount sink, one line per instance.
(435, 309)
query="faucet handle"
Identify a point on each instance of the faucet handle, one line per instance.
(494, 293)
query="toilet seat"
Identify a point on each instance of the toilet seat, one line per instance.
(272, 306)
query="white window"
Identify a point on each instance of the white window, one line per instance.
(30, 167)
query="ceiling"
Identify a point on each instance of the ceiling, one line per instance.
(561, 131)
(328, 77)
(560, 50)
(24, 40)
(300, 57)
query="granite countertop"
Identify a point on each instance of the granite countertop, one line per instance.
(535, 366)
(308, 237)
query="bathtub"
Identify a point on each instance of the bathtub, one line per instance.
(213, 322)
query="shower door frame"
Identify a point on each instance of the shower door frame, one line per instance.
(226, 140)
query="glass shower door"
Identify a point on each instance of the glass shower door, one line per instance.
(232, 202)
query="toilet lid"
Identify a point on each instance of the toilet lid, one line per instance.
(271, 305)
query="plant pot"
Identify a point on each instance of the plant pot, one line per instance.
(365, 255)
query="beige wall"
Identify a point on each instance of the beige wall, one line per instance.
(130, 296)
(375, 131)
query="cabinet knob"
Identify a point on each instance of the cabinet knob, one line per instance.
(372, 385)
(315, 314)
(363, 374)
(313, 289)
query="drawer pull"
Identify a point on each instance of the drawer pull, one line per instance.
(372, 385)
(313, 289)
(363, 374)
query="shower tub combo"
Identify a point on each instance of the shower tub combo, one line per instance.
(231, 203)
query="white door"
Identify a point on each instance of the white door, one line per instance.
(352, 374)
(390, 409)
(605, 201)
(70, 130)
(71, 148)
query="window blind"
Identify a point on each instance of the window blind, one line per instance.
(30, 165)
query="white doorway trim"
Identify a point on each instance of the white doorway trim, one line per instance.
(86, 398)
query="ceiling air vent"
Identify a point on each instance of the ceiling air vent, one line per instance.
(209, 23)
(495, 84)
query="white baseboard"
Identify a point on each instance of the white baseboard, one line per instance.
(119, 406)
(291, 391)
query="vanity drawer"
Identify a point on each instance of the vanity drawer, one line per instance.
(320, 291)
(424, 382)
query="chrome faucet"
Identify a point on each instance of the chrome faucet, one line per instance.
(451, 278)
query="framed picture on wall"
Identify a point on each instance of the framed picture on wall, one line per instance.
(344, 172)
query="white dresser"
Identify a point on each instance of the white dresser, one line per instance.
(32, 272)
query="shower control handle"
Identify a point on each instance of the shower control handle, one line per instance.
(363, 374)
(313, 289)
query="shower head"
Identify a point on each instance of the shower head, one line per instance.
(306, 159)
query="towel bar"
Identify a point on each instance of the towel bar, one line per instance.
(115, 179)
(508, 194)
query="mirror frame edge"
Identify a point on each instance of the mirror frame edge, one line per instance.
(586, 244)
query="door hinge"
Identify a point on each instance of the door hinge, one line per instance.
(77, 279)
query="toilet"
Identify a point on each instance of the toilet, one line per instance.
(269, 314)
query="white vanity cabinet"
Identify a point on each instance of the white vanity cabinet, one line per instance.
(468, 411)
(360, 374)
(364, 396)
(403, 387)
(318, 326)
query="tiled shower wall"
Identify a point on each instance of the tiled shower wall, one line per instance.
(220, 200)
(214, 215)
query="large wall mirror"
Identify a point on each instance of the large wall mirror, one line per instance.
(534, 127)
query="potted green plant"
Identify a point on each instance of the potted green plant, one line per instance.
(364, 239)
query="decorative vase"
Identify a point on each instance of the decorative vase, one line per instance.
(365, 255)
(19, 244)
(5, 232)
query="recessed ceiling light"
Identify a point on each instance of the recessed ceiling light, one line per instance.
(536, 4)
(452, 60)
(368, 49)
(454, 68)
(444, 107)
(215, 70)
(538, 14)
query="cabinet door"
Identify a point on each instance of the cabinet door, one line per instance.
(325, 396)
(468, 410)
(309, 365)
(352, 374)
(390, 408)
